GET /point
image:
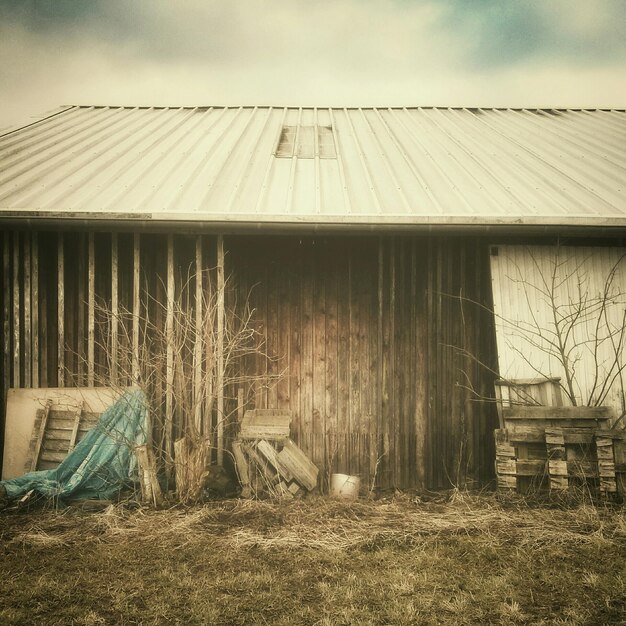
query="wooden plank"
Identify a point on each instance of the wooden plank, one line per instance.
(299, 465)
(17, 305)
(331, 342)
(343, 363)
(600, 413)
(42, 429)
(60, 310)
(81, 303)
(521, 467)
(76, 426)
(46, 320)
(295, 338)
(284, 327)
(381, 425)
(272, 457)
(606, 464)
(241, 465)
(35, 309)
(169, 356)
(355, 367)
(198, 340)
(419, 314)
(91, 288)
(114, 310)
(219, 355)
(6, 314)
(28, 352)
(136, 302)
(306, 390)
(272, 327)
(319, 357)
(265, 424)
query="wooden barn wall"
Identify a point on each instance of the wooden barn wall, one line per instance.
(57, 300)
(367, 331)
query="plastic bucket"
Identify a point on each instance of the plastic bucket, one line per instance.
(344, 486)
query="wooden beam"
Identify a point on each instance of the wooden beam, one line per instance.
(197, 354)
(558, 412)
(91, 284)
(114, 310)
(220, 350)
(136, 303)
(17, 305)
(380, 423)
(60, 311)
(34, 263)
(27, 311)
(6, 314)
(80, 338)
(169, 338)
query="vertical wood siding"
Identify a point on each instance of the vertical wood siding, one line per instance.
(367, 331)
(581, 273)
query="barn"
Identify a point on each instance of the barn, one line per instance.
(378, 251)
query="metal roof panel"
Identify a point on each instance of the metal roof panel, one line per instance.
(376, 165)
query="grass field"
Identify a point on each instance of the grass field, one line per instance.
(461, 560)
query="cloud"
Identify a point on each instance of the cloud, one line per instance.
(557, 30)
(318, 52)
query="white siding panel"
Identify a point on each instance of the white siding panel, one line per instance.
(532, 284)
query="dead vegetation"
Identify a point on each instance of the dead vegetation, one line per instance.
(456, 560)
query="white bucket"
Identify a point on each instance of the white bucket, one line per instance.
(345, 486)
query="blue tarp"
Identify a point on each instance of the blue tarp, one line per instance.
(101, 465)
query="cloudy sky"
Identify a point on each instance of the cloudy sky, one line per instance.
(313, 52)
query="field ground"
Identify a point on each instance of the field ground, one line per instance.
(458, 560)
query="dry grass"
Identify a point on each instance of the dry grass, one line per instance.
(466, 560)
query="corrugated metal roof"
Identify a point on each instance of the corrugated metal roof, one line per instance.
(390, 165)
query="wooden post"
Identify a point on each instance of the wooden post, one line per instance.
(220, 349)
(17, 305)
(169, 337)
(34, 319)
(60, 311)
(197, 355)
(136, 302)
(90, 312)
(114, 310)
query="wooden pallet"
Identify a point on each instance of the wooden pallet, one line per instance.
(55, 434)
(559, 448)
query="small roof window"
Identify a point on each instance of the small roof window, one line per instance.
(300, 141)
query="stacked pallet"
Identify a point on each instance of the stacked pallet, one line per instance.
(559, 448)
(267, 460)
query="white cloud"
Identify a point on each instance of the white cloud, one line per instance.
(345, 52)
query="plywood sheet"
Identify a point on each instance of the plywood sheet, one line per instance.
(22, 406)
